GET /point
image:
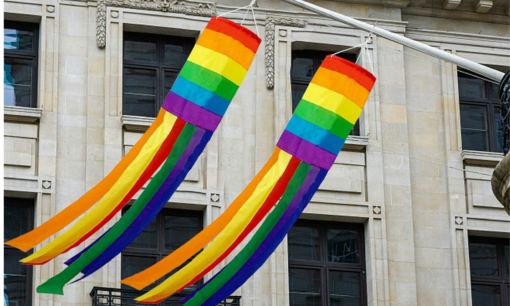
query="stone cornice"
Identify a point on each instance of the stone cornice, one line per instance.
(206, 9)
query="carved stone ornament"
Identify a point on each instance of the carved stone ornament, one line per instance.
(206, 9)
(46, 185)
(271, 22)
(215, 198)
(459, 220)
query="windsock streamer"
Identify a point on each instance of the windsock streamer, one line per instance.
(305, 152)
(191, 113)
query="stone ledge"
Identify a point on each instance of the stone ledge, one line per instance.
(22, 114)
(356, 143)
(136, 123)
(481, 158)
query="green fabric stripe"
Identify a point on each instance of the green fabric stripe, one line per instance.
(55, 285)
(231, 269)
(325, 119)
(210, 80)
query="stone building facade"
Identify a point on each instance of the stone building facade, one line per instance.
(420, 233)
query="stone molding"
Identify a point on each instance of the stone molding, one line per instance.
(21, 114)
(271, 22)
(205, 9)
(481, 158)
(136, 123)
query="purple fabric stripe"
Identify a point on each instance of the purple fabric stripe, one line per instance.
(190, 112)
(306, 151)
(275, 237)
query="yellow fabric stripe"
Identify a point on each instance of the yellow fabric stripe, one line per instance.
(332, 101)
(111, 199)
(218, 63)
(225, 239)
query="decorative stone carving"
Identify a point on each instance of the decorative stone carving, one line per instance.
(459, 220)
(377, 210)
(206, 9)
(50, 9)
(215, 198)
(271, 22)
(46, 185)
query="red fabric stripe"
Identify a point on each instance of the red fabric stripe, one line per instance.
(154, 165)
(236, 31)
(349, 69)
(271, 200)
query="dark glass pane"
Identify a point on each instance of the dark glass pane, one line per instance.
(17, 82)
(170, 78)
(16, 279)
(499, 132)
(17, 221)
(304, 243)
(148, 238)
(132, 264)
(298, 90)
(175, 53)
(343, 246)
(180, 229)
(483, 259)
(507, 261)
(16, 217)
(474, 127)
(140, 81)
(344, 289)
(302, 68)
(494, 92)
(139, 92)
(473, 117)
(486, 295)
(471, 88)
(140, 49)
(305, 287)
(18, 39)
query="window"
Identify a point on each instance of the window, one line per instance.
(480, 114)
(490, 275)
(305, 64)
(151, 65)
(166, 233)
(18, 220)
(326, 264)
(20, 64)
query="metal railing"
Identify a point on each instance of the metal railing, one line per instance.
(102, 296)
(504, 94)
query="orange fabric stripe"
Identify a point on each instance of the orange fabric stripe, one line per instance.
(353, 71)
(80, 206)
(228, 46)
(341, 84)
(236, 31)
(193, 246)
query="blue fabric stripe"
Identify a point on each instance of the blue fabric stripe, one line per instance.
(315, 134)
(200, 96)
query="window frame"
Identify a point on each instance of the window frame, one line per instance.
(160, 252)
(31, 225)
(503, 281)
(26, 55)
(324, 266)
(491, 105)
(317, 56)
(158, 65)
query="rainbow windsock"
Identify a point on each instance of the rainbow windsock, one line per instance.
(305, 152)
(191, 113)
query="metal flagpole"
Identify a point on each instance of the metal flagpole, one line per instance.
(457, 60)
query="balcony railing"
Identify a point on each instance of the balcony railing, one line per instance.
(115, 297)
